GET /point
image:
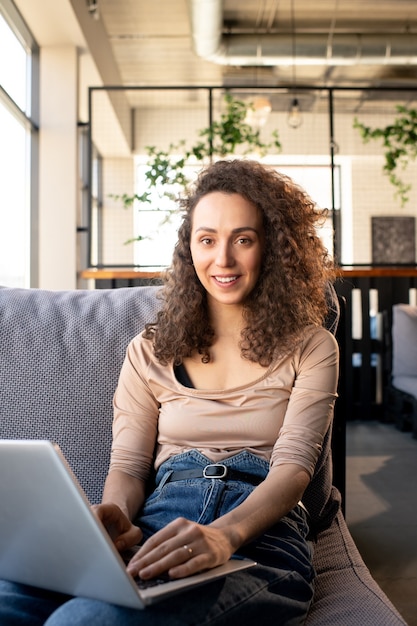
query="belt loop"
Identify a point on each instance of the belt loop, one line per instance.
(165, 478)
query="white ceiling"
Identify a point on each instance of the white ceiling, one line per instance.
(234, 43)
(150, 42)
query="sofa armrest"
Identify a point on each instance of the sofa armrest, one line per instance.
(346, 593)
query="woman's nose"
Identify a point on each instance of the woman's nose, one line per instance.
(224, 256)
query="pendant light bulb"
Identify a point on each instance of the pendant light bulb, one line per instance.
(294, 118)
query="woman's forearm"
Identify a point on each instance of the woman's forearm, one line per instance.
(265, 506)
(125, 491)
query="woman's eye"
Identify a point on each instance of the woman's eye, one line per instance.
(206, 241)
(243, 240)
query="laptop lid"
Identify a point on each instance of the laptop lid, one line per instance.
(50, 538)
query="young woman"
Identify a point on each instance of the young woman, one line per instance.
(237, 372)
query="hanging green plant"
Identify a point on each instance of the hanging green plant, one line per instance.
(232, 131)
(166, 170)
(400, 143)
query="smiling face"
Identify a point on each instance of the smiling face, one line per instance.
(226, 244)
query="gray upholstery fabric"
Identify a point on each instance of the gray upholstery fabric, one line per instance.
(346, 593)
(60, 357)
(338, 563)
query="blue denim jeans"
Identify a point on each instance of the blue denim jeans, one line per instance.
(278, 590)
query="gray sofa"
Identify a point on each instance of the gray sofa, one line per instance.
(60, 355)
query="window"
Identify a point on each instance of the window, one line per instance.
(157, 222)
(13, 74)
(16, 148)
(14, 231)
(316, 181)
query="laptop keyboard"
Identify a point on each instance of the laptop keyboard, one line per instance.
(144, 584)
(152, 582)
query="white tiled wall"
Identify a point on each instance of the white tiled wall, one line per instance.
(366, 192)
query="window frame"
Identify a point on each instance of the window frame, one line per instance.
(29, 119)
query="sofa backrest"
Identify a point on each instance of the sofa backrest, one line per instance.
(60, 358)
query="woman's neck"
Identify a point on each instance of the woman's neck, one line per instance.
(227, 321)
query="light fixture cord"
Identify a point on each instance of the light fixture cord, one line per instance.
(293, 43)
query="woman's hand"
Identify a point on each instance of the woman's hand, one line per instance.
(180, 549)
(121, 530)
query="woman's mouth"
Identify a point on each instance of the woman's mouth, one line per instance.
(225, 280)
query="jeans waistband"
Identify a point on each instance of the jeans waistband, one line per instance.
(215, 471)
(193, 459)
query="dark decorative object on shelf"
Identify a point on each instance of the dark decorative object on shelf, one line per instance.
(393, 240)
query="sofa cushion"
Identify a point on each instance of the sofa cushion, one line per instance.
(60, 357)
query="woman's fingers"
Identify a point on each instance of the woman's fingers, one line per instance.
(162, 551)
(178, 562)
(122, 532)
(181, 548)
(130, 538)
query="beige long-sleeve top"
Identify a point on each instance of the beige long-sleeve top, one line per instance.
(282, 416)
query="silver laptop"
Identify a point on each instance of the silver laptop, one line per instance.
(50, 538)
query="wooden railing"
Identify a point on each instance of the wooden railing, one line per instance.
(113, 278)
(369, 293)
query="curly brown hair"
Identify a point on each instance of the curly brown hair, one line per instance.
(291, 290)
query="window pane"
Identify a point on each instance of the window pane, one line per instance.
(159, 231)
(316, 181)
(14, 216)
(157, 222)
(13, 77)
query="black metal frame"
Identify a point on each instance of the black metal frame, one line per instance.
(340, 413)
(331, 91)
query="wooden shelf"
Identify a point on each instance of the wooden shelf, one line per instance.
(112, 274)
(345, 272)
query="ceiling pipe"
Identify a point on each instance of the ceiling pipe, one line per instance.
(206, 17)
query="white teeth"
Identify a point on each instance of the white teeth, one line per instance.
(225, 279)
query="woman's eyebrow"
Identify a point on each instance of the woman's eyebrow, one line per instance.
(205, 228)
(241, 229)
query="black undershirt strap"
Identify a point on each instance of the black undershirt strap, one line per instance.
(182, 376)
